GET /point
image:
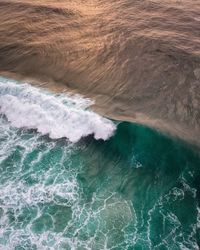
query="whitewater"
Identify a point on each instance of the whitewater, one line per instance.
(63, 116)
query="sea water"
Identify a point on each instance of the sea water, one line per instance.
(71, 179)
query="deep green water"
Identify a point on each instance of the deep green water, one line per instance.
(137, 190)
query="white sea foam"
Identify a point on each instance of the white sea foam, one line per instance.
(58, 116)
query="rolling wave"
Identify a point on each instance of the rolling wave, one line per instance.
(139, 60)
(27, 107)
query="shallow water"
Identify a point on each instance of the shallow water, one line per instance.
(133, 189)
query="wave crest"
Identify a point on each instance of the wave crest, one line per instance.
(58, 116)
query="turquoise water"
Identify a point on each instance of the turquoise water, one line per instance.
(130, 188)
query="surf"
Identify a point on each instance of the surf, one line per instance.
(95, 185)
(58, 116)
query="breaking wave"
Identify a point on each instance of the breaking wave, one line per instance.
(56, 115)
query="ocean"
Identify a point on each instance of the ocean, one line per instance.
(71, 179)
(99, 124)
